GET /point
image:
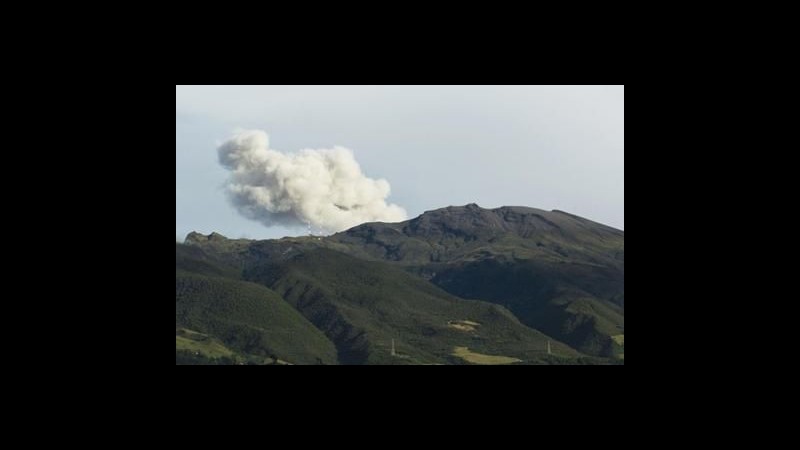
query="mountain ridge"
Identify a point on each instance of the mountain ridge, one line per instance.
(553, 272)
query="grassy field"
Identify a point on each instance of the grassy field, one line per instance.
(463, 325)
(478, 358)
(197, 342)
(619, 340)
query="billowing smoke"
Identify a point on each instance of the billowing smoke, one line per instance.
(322, 188)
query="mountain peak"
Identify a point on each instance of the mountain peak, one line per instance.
(195, 237)
(471, 219)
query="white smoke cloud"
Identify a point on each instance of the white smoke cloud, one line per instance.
(324, 188)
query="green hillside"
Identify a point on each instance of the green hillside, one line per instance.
(250, 320)
(457, 285)
(361, 306)
(558, 273)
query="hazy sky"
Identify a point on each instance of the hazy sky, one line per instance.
(549, 147)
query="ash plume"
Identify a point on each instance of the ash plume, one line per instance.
(323, 188)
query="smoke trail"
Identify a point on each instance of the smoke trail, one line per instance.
(322, 188)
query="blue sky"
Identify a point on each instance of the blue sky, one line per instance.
(550, 147)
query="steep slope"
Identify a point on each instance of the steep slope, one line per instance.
(219, 315)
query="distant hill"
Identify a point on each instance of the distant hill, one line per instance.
(458, 285)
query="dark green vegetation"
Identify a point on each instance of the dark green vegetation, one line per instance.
(499, 282)
(248, 320)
